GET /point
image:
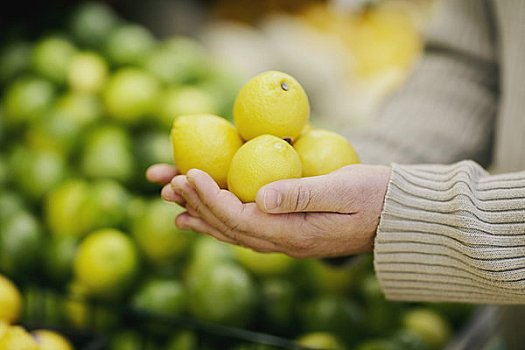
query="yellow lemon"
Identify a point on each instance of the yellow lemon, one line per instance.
(10, 301)
(323, 151)
(206, 142)
(106, 262)
(259, 161)
(17, 338)
(430, 325)
(271, 103)
(50, 340)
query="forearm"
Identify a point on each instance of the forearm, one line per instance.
(452, 233)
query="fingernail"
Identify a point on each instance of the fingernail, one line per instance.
(272, 199)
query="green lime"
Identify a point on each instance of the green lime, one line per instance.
(209, 251)
(62, 129)
(107, 204)
(87, 72)
(51, 58)
(131, 94)
(64, 209)
(36, 172)
(408, 340)
(126, 340)
(379, 344)
(324, 278)
(184, 101)
(321, 340)
(107, 153)
(223, 85)
(333, 314)
(178, 60)
(92, 22)
(167, 296)
(20, 244)
(263, 264)
(106, 262)
(156, 235)
(59, 253)
(83, 313)
(429, 325)
(3, 171)
(183, 340)
(15, 59)
(129, 44)
(27, 99)
(278, 296)
(11, 203)
(151, 147)
(223, 293)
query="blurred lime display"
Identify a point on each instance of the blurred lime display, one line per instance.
(84, 110)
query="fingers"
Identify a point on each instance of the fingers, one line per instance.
(186, 221)
(169, 195)
(325, 193)
(161, 173)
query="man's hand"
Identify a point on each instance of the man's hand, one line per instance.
(313, 217)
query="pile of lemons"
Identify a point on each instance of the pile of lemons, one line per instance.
(16, 337)
(272, 139)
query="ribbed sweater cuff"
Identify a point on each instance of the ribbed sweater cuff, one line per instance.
(452, 233)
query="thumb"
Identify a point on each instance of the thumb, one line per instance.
(323, 193)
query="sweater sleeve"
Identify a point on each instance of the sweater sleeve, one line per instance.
(445, 111)
(452, 233)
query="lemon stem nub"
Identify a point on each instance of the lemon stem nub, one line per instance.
(288, 139)
(284, 86)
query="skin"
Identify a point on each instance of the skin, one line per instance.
(313, 217)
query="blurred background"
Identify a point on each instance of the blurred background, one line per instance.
(88, 92)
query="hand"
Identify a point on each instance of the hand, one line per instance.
(314, 217)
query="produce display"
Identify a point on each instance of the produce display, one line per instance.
(92, 246)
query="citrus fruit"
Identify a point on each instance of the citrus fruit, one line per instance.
(429, 325)
(92, 22)
(263, 264)
(59, 254)
(206, 142)
(320, 340)
(271, 103)
(278, 298)
(260, 161)
(223, 293)
(130, 94)
(21, 238)
(51, 340)
(331, 313)
(106, 262)
(106, 205)
(178, 60)
(107, 153)
(208, 251)
(51, 58)
(184, 101)
(64, 208)
(17, 338)
(37, 171)
(161, 296)
(184, 340)
(323, 151)
(158, 239)
(14, 59)
(27, 99)
(87, 72)
(11, 203)
(129, 44)
(10, 301)
(83, 313)
(325, 278)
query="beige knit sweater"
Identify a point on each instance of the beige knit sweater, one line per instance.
(454, 232)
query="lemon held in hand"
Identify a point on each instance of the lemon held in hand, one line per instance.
(271, 103)
(259, 161)
(323, 151)
(206, 142)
